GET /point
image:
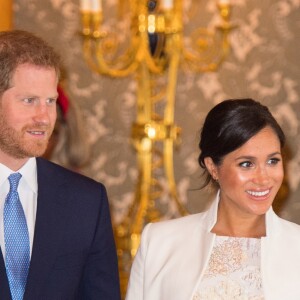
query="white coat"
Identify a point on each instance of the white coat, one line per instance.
(173, 256)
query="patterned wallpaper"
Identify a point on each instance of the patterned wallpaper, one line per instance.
(263, 64)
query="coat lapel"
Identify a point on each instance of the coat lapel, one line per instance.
(182, 257)
(193, 260)
(4, 289)
(51, 217)
(201, 245)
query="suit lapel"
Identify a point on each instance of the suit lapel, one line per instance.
(50, 218)
(4, 289)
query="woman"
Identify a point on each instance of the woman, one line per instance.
(239, 248)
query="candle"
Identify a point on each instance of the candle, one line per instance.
(85, 5)
(167, 4)
(96, 6)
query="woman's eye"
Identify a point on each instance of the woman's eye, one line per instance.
(273, 161)
(246, 164)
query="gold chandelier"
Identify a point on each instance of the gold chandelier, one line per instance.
(156, 49)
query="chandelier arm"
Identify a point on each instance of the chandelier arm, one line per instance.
(198, 65)
(143, 147)
(169, 169)
(203, 64)
(175, 48)
(209, 48)
(95, 60)
(174, 51)
(144, 53)
(96, 41)
(153, 132)
(127, 61)
(138, 52)
(144, 162)
(144, 100)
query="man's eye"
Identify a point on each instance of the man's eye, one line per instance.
(29, 100)
(51, 100)
(246, 164)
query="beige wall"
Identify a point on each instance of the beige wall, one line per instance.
(264, 64)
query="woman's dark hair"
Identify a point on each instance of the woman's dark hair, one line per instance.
(229, 125)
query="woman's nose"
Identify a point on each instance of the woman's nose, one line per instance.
(261, 176)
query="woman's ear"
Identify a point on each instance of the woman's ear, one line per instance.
(211, 167)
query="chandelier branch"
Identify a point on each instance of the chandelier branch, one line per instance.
(156, 48)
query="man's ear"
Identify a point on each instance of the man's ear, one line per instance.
(211, 167)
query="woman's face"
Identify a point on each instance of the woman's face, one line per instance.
(250, 176)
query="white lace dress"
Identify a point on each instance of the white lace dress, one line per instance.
(233, 271)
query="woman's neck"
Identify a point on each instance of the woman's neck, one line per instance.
(229, 224)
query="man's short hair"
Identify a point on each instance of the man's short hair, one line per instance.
(20, 47)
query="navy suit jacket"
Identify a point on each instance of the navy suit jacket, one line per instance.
(73, 254)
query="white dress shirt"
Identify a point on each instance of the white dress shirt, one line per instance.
(27, 190)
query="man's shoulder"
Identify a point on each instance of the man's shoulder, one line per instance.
(53, 171)
(57, 181)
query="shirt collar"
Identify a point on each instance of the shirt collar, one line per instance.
(28, 171)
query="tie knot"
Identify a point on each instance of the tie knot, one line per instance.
(14, 179)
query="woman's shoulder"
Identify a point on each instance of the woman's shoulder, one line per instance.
(188, 219)
(284, 230)
(178, 226)
(288, 225)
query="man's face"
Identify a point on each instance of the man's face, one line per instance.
(27, 112)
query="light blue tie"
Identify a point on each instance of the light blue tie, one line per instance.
(16, 236)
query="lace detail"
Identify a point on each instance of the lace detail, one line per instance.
(233, 271)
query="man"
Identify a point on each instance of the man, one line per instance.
(58, 243)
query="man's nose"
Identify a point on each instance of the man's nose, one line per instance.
(41, 114)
